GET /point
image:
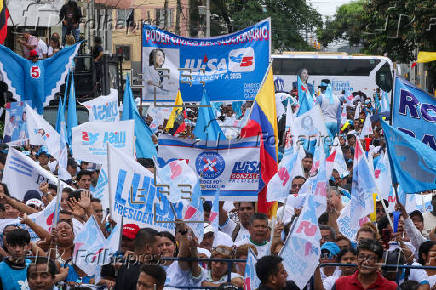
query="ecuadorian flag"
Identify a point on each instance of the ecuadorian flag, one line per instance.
(4, 15)
(263, 123)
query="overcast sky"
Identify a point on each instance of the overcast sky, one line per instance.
(327, 7)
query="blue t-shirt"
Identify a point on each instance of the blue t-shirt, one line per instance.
(74, 277)
(13, 279)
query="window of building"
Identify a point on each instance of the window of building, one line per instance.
(160, 17)
(123, 17)
(123, 50)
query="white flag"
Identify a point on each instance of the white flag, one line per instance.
(367, 128)
(104, 108)
(89, 139)
(21, 174)
(41, 132)
(135, 196)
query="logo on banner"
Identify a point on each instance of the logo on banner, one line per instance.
(89, 138)
(245, 170)
(117, 139)
(108, 111)
(210, 165)
(41, 132)
(241, 60)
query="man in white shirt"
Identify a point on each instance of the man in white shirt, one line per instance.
(259, 235)
(42, 49)
(236, 231)
(430, 218)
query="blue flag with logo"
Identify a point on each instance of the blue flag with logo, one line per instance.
(207, 127)
(36, 81)
(413, 163)
(143, 142)
(414, 112)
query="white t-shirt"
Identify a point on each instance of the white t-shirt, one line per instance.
(262, 250)
(208, 277)
(432, 280)
(179, 277)
(329, 282)
(41, 48)
(429, 223)
(230, 225)
(418, 275)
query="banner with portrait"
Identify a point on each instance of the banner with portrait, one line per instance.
(231, 66)
(15, 121)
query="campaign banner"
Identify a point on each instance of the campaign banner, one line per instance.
(232, 66)
(104, 108)
(232, 165)
(89, 139)
(135, 196)
(41, 132)
(15, 121)
(414, 112)
(21, 174)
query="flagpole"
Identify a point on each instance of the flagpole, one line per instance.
(57, 207)
(109, 177)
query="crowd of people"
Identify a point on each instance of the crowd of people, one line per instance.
(36, 258)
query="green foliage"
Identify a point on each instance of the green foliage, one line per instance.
(392, 27)
(289, 18)
(347, 24)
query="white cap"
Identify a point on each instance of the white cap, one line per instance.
(34, 201)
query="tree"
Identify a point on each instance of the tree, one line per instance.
(347, 25)
(289, 19)
(392, 27)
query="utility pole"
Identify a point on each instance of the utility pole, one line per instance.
(207, 18)
(166, 15)
(178, 12)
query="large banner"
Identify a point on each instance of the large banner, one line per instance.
(232, 165)
(104, 108)
(231, 66)
(89, 139)
(414, 112)
(21, 174)
(15, 121)
(134, 196)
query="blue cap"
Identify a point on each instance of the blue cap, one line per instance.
(43, 150)
(332, 248)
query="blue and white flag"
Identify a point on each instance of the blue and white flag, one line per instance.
(280, 184)
(72, 112)
(104, 108)
(251, 281)
(383, 176)
(179, 177)
(305, 100)
(89, 245)
(385, 104)
(144, 145)
(362, 189)
(41, 132)
(136, 196)
(207, 127)
(46, 217)
(39, 81)
(195, 213)
(301, 250)
(414, 112)
(413, 164)
(29, 173)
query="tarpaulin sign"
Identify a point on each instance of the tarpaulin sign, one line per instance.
(232, 165)
(231, 66)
